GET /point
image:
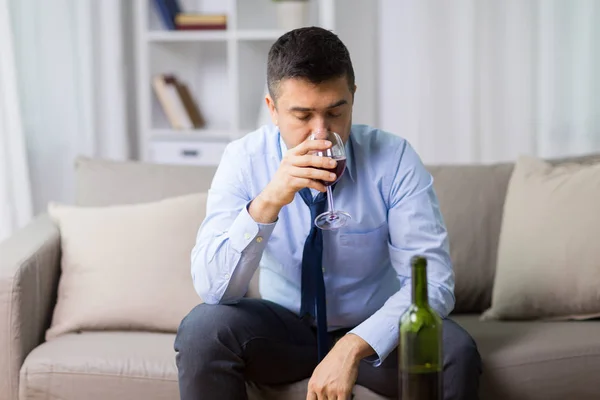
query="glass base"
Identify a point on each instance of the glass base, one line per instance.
(331, 220)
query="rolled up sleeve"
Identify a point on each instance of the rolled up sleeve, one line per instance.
(229, 244)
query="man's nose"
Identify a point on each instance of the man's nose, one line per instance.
(320, 125)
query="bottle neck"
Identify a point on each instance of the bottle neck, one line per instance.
(419, 285)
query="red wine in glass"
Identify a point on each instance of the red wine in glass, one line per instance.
(332, 219)
(338, 170)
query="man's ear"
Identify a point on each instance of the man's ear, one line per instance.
(353, 93)
(272, 109)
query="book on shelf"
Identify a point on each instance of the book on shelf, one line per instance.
(200, 19)
(174, 18)
(185, 21)
(167, 9)
(209, 27)
(177, 102)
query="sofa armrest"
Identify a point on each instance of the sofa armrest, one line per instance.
(29, 271)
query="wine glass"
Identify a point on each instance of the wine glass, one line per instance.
(332, 219)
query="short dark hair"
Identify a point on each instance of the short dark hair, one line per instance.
(312, 53)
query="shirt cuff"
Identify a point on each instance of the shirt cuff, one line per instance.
(247, 235)
(381, 334)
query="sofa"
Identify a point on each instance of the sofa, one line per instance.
(522, 360)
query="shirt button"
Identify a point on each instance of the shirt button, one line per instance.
(259, 239)
(323, 269)
(246, 236)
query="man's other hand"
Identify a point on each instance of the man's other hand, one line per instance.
(335, 376)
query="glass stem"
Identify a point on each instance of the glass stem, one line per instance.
(330, 198)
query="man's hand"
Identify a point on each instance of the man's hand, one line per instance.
(297, 170)
(334, 377)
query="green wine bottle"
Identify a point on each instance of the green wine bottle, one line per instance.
(420, 342)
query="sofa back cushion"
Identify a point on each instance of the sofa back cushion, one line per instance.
(106, 182)
(471, 201)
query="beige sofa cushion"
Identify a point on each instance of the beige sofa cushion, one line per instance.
(537, 360)
(126, 266)
(521, 360)
(100, 366)
(471, 199)
(122, 365)
(100, 182)
(548, 256)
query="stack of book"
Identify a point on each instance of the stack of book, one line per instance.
(177, 102)
(175, 19)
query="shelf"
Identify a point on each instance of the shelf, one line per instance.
(201, 67)
(224, 71)
(208, 36)
(186, 36)
(265, 34)
(208, 135)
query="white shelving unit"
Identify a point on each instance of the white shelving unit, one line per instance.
(224, 70)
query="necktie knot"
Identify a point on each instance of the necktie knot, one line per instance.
(316, 205)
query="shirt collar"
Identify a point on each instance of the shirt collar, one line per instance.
(349, 154)
(350, 166)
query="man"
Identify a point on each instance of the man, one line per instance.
(259, 216)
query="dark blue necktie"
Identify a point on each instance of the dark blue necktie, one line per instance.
(313, 285)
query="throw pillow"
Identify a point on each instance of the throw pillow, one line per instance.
(126, 267)
(548, 257)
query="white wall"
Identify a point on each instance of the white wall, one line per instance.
(356, 24)
(389, 31)
(472, 81)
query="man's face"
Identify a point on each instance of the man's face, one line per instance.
(303, 107)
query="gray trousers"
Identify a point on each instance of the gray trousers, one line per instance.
(220, 347)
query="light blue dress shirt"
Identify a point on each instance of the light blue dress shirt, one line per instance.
(395, 215)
